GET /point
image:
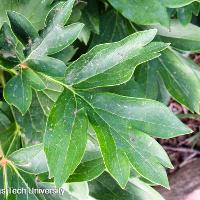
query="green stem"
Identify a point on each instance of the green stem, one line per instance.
(61, 83)
(11, 71)
(5, 177)
(2, 79)
(13, 140)
(18, 174)
(68, 87)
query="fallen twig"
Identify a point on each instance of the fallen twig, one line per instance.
(180, 149)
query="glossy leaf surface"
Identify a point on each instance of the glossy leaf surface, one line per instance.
(65, 135)
(98, 67)
(18, 93)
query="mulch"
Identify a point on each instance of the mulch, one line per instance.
(186, 148)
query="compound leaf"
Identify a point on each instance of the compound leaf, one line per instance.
(116, 121)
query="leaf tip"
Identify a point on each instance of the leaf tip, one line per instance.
(153, 31)
(169, 43)
(166, 184)
(81, 25)
(188, 130)
(11, 14)
(170, 166)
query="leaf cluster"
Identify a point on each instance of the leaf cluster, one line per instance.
(85, 87)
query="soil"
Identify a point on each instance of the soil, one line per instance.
(184, 184)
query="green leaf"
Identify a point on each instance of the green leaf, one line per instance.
(185, 14)
(106, 188)
(177, 3)
(18, 179)
(145, 76)
(5, 108)
(60, 14)
(87, 65)
(55, 36)
(31, 159)
(143, 84)
(8, 45)
(18, 93)
(112, 118)
(22, 28)
(66, 54)
(47, 65)
(179, 78)
(49, 96)
(32, 124)
(10, 139)
(153, 149)
(84, 35)
(129, 152)
(92, 164)
(149, 84)
(195, 8)
(111, 30)
(88, 170)
(114, 76)
(97, 69)
(130, 89)
(5, 121)
(115, 159)
(144, 12)
(65, 135)
(34, 10)
(56, 40)
(33, 79)
(163, 95)
(127, 114)
(72, 191)
(181, 37)
(90, 16)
